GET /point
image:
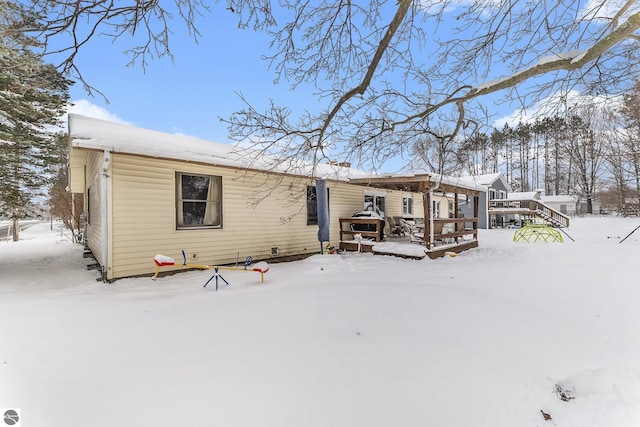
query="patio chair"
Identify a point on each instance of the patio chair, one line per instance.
(395, 226)
(407, 225)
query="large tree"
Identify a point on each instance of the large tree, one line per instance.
(384, 70)
(629, 136)
(33, 95)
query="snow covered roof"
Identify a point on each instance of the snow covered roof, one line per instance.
(416, 182)
(489, 179)
(526, 195)
(458, 182)
(559, 198)
(95, 134)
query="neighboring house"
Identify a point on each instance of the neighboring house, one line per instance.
(565, 204)
(525, 195)
(149, 193)
(524, 206)
(522, 198)
(497, 188)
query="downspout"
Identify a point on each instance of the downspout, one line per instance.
(104, 213)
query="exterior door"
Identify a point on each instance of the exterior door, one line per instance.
(375, 202)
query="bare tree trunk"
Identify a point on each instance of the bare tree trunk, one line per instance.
(16, 229)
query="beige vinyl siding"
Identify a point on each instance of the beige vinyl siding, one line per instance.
(93, 182)
(77, 159)
(418, 205)
(144, 215)
(394, 204)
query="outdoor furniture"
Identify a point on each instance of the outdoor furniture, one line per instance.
(395, 226)
(367, 227)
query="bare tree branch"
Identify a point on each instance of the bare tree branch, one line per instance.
(384, 71)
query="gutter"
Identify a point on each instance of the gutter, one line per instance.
(104, 213)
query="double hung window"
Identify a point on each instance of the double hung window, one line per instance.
(198, 201)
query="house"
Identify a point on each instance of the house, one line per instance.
(497, 188)
(148, 193)
(525, 195)
(520, 207)
(583, 207)
(445, 228)
(566, 204)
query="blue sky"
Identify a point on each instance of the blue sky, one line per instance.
(190, 94)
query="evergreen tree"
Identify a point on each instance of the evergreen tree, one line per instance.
(33, 95)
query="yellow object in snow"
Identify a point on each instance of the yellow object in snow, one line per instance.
(537, 231)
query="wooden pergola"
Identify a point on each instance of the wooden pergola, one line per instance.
(427, 185)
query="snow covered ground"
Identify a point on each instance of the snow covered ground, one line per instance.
(493, 337)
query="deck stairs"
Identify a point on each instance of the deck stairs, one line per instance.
(528, 208)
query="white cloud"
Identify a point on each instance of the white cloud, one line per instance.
(606, 9)
(558, 104)
(87, 108)
(437, 7)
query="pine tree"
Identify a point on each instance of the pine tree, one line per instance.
(33, 95)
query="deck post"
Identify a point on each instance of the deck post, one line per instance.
(426, 206)
(476, 210)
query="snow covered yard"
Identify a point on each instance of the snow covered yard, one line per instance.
(493, 337)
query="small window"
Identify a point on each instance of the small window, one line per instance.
(407, 206)
(89, 205)
(198, 201)
(312, 205)
(375, 203)
(435, 206)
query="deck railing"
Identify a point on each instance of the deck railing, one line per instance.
(532, 206)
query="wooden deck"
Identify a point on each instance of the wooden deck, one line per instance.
(441, 251)
(449, 235)
(353, 245)
(354, 222)
(529, 209)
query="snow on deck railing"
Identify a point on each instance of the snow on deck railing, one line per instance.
(532, 205)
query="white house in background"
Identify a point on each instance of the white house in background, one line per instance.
(525, 195)
(565, 204)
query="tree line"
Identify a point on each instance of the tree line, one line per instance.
(592, 150)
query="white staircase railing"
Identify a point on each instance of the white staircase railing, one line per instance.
(532, 206)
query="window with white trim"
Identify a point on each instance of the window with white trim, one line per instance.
(375, 202)
(435, 207)
(407, 205)
(198, 201)
(312, 205)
